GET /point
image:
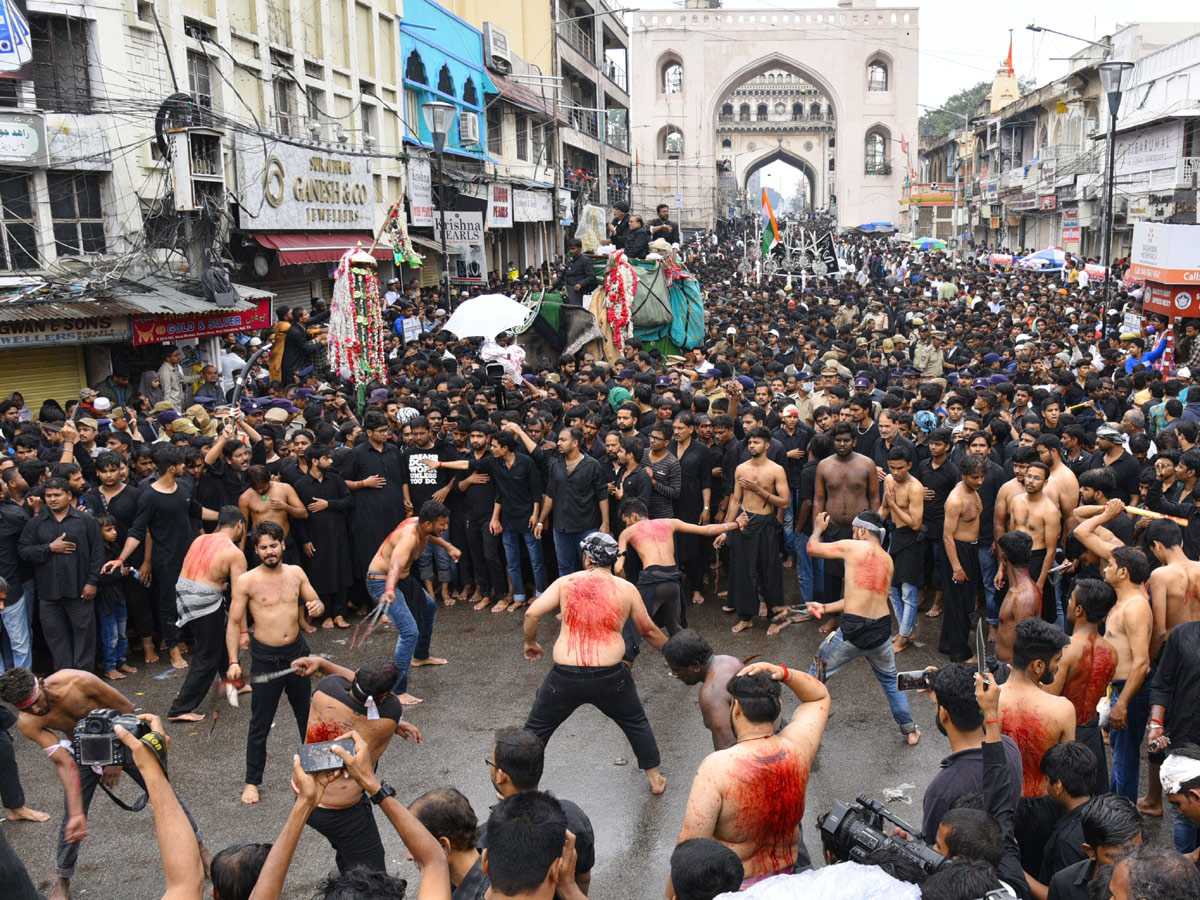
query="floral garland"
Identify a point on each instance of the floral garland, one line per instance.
(356, 326)
(620, 285)
(402, 247)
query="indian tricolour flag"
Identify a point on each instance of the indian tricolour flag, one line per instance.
(770, 235)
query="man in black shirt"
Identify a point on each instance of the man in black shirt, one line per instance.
(576, 495)
(1126, 469)
(421, 484)
(663, 227)
(939, 476)
(1112, 826)
(1070, 771)
(579, 277)
(13, 519)
(481, 564)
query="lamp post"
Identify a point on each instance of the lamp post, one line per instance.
(439, 119)
(1113, 75)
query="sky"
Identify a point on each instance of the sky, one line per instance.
(962, 44)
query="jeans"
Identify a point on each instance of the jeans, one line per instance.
(15, 620)
(113, 643)
(1187, 835)
(987, 570)
(608, 688)
(513, 535)
(566, 550)
(790, 537)
(906, 608)
(1126, 742)
(413, 640)
(435, 558)
(836, 651)
(810, 571)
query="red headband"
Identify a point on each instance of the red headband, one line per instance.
(29, 701)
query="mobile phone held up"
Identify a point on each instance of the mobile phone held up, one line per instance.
(320, 758)
(917, 680)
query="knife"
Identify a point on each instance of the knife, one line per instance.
(981, 651)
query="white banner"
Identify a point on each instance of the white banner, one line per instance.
(420, 193)
(464, 245)
(500, 211)
(531, 206)
(287, 187)
(1148, 149)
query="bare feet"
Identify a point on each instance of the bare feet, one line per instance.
(187, 717)
(728, 609)
(778, 626)
(828, 626)
(340, 622)
(127, 669)
(934, 612)
(62, 889)
(500, 606)
(25, 814)
(787, 562)
(308, 627)
(482, 603)
(407, 699)
(250, 794)
(428, 661)
(450, 599)
(697, 597)
(114, 675)
(762, 610)
(742, 626)
(515, 605)
(148, 650)
(912, 737)
(1146, 808)
(327, 624)
(658, 784)
(177, 660)
(899, 643)
(993, 631)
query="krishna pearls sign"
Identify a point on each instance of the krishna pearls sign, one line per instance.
(464, 245)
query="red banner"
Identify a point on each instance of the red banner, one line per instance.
(1178, 301)
(167, 329)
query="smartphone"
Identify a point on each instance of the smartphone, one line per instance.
(319, 758)
(917, 680)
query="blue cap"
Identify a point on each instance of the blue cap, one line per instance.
(283, 404)
(306, 371)
(250, 406)
(205, 401)
(746, 381)
(168, 415)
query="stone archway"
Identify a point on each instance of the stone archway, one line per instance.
(743, 174)
(829, 48)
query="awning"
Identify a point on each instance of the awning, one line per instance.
(524, 96)
(129, 296)
(296, 249)
(427, 243)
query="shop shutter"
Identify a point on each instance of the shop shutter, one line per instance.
(431, 268)
(293, 295)
(43, 373)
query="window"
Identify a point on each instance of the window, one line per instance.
(539, 142)
(77, 214)
(877, 77)
(727, 144)
(876, 154)
(744, 112)
(281, 88)
(368, 123)
(673, 143)
(199, 79)
(815, 110)
(762, 111)
(523, 137)
(18, 235)
(446, 81)
(197, 31)
(10, 93)
(1191, 137)
(470, 97)
(314, 103)
(780, 109)
(495, 134)
(61, 79)
(414, 69)
(797, 111)
(412, 112)
(672, 78)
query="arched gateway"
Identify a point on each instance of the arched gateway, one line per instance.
(857, 64)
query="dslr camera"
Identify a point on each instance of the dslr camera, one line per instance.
(96, 744)
(854, 832)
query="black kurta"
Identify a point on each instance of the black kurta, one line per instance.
(376, 510)
(329, 568)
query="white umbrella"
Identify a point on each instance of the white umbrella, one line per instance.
(486, 316)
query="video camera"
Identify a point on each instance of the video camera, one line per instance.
(96, 744)
(854, 832)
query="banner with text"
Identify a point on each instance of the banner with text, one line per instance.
(464, 245)
(148, 329)
(532, 206)
(500, 212)
(420, 193)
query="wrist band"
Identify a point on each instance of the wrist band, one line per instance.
(1154, 722)
(990, 721)
(787, 675)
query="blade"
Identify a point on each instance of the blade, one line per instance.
(980, 648)
(270, 676)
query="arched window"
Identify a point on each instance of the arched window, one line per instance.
(875, 153)
(797, 111)
(446, 81)
(726, 144)
(744, 112)
(469, 95)
(672, 78)
(877, 76)
(762, 112)
(727, 110)
(414, 68)
(673, 144)
(815, 110)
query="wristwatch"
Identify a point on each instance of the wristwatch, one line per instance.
(385, 791)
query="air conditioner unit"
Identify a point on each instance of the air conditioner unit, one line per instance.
(496, 52)
(468, 128)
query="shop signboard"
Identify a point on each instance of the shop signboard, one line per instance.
(1148, 149)
(532, 206)
(1178, 301)
(420, 193)
(1168, 254)
(464, 246)
(499, 206)
(30, 333)
(287, 187)
(165, 329)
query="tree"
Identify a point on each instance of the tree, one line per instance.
(936, 122)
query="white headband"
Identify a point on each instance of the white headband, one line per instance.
(1176, 771)
(862, 523)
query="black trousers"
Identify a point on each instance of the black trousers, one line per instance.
(209, 632)
(608, 688)
(264, 700)
(353, 834)
(662, 595)
(162, 586)
(754, 566)
(69, 626)
(12, 795)
(958, 601)
(835, 569)
(1089, 735)
(137, 605)
(483, 549)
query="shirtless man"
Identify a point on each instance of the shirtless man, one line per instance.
(659, 581)
(691, 660)
(865, 629)
(1038, 514)
(904, 501)
(272, 501)
(271, 593)
(1087, 667)
(750, 796)
(1036, 721)
(1061, 486)
(347, 701)
(588, 665)
(56, 704)
(1023, 597)
(760, 492)
(212, 563)
(1021, 459)
(846, 484)
(960, 532)
(392, 568)
(1129, 627)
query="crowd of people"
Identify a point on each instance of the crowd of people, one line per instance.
(844, 453)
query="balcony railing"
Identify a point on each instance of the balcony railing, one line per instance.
(1187, 170)
(584, 121)
(583, 42)
(617, 136)
(616, 74)
(878, 168)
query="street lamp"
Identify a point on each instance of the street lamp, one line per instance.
(1113, 78)
(439, 119)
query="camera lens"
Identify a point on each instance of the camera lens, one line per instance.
(95, 726)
